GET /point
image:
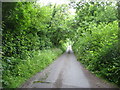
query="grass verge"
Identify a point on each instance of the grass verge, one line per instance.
(29, 67)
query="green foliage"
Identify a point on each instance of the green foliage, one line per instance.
(14, 77)
(58, 28)
(98, 50)
(95, 12)
(23, 27)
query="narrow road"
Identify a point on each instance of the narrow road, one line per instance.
(66, 72)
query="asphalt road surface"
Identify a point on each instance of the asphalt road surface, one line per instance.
(66, 72)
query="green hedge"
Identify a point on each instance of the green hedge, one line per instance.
(98, 51)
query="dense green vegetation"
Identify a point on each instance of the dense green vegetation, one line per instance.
(98, 51)
(26, 32)
(31, 31)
